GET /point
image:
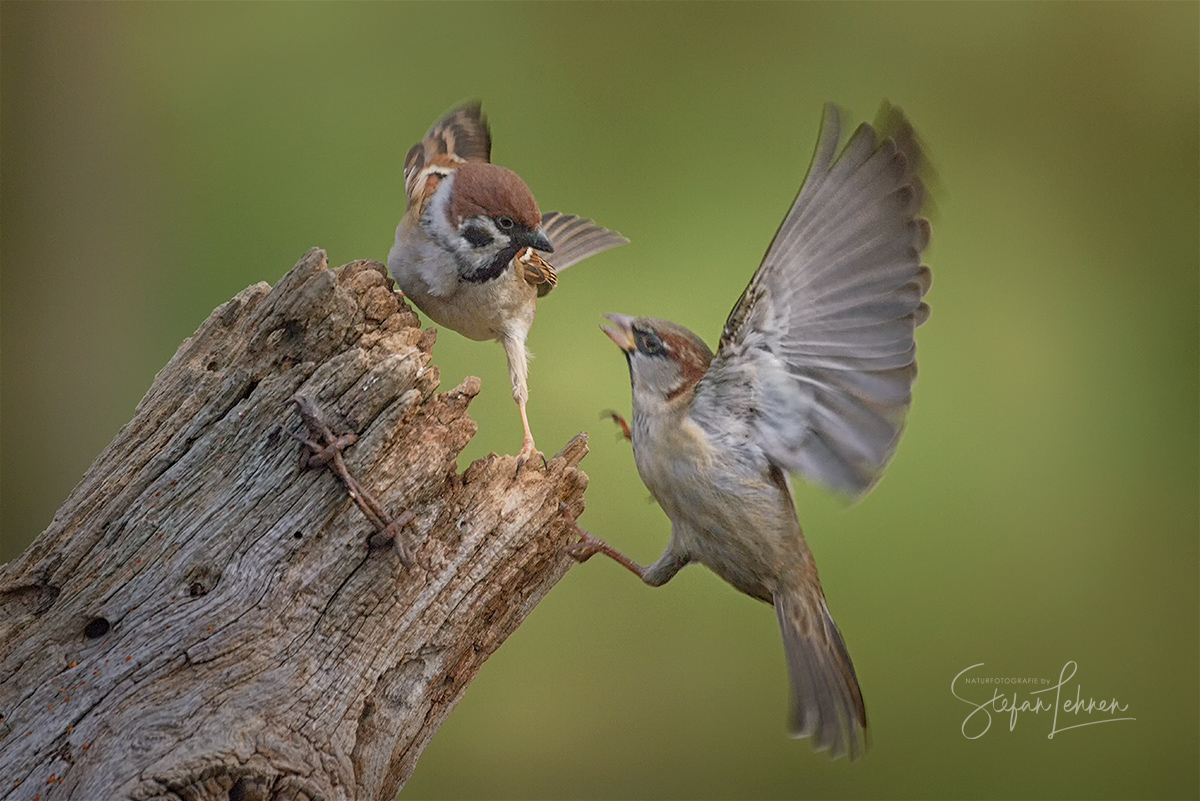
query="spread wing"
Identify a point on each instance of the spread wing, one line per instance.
(462, 134)
(817, 359)
(574, 240)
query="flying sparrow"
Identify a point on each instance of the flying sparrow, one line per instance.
(469, 248)
(814, 375)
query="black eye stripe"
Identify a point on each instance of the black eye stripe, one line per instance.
(648, 342)
(477, 236)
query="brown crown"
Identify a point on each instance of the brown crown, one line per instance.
(491, 190)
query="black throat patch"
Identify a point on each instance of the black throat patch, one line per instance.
(481, 275)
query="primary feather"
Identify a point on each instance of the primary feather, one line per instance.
(823, 335)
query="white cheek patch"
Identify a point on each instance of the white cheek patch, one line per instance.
(474, 261)
(436, 220)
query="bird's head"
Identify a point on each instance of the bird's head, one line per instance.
(484, 214)
(666, 360)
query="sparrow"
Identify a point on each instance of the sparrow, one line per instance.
(469, 249)
(813, 375)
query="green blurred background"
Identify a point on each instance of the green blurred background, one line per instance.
(156, 159)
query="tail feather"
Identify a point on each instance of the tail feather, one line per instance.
(828, 705)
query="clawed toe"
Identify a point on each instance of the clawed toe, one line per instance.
(583, 550)
(530, 454)
(620, 422)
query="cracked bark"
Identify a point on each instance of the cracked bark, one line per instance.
(204, 618)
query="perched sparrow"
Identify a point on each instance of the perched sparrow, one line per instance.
(466, 251)
(814, 374)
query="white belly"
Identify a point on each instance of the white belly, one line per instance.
(496, 309)
(731, 520)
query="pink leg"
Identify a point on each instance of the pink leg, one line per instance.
(620, 421)
(528, 449)
(588, 546)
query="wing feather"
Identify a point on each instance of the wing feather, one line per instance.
(822, 339)
(462, 134)
(575, 238)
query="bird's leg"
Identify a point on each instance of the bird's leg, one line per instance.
(589, 545)
(518, 373)
(528, 449)
(655, 575)
(620, 421)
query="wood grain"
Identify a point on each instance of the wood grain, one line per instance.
(205, 617)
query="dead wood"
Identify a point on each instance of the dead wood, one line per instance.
(211, 616)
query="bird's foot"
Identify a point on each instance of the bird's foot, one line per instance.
(529, 453)
(586, 547)
(589, 545)
(620, 421)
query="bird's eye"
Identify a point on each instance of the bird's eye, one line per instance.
(648, 342)
(505, 223)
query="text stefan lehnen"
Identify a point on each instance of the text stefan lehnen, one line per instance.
(979, 720)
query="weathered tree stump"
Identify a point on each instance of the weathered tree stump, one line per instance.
(209, 617)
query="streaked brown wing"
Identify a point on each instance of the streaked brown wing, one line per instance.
(462, 134)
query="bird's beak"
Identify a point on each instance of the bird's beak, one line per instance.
(539, 241)
(621, 331)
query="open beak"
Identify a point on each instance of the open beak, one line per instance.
(621, 331)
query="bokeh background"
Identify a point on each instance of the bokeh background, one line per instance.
(1042, 508)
